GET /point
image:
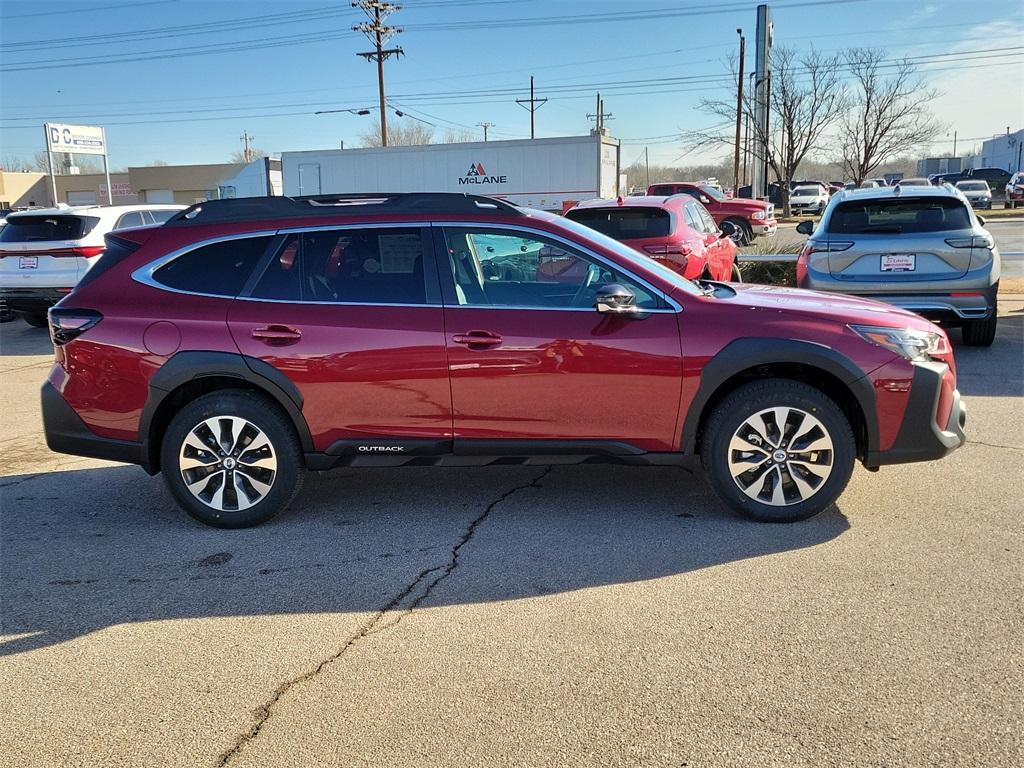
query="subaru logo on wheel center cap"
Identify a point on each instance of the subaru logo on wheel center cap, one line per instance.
(779, 456)
(229, 463)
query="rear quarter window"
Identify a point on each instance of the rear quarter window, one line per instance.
(899, 215)
(217, 269)
(625, 223)
(28, 229)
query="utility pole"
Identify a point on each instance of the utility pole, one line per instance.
(739, 117)
(378, 34)
(647, 162)
(485, 126)
(534, 103)
(954, 143)
(600, 116)
(247, 152)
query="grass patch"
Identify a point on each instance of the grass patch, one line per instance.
(768, 273)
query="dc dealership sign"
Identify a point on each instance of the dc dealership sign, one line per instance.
(76, 139)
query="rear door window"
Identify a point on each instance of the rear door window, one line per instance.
(354, 266)
(159, 217)
(217, 269)
(28, 229)
(130, 219)
(625, 223)
(899, 215)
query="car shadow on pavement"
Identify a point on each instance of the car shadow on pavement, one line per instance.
(982, 371)
(90, 549)
(17, 338)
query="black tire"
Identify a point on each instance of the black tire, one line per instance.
(36, 320)
(7, 316)
(744, 234)
(747, 402)
(261, 414)
(981, 333)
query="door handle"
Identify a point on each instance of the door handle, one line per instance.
(477, 339)
(277, 335)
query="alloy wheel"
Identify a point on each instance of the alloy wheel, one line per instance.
(228, 463)
(781, 456)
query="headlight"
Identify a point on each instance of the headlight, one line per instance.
(758, 215)
(905, 342)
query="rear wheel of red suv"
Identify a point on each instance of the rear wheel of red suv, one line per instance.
(778, 450)
(231, 459)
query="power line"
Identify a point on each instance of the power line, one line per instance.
(88, 10)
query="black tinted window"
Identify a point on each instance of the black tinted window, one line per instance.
(161, 216)
(25, 229)
(625, 223)
(361, 266)
(131, 219)
(897, 215)
(219, 269)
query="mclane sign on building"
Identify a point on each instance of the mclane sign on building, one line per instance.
(76, 139)
(541, 173)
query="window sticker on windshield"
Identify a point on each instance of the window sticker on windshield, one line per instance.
(398, 253)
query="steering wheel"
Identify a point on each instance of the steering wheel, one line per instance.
(579, 300)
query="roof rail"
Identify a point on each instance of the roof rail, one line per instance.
(248, 208)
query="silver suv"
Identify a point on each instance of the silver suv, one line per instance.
(920, 248)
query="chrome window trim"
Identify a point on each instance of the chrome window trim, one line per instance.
(144, 274)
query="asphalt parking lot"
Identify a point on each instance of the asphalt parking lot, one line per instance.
(515, 616)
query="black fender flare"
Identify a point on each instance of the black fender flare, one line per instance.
(743, 354)
(184, 367)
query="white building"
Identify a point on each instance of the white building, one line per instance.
(1000, 152)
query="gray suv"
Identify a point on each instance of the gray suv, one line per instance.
(920, 248)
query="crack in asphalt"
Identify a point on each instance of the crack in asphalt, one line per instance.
(995, 445)
(371, 626)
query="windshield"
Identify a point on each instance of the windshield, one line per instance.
(806, 191)
(625, 223)
(973, 186)
(628, 254)
(711, 192)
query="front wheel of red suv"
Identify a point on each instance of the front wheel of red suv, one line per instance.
(231, 459)
(778, 450)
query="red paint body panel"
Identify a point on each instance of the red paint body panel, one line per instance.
(567, 375)
(363, 371)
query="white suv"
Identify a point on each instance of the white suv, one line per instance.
(44, 252)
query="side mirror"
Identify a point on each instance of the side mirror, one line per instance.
(981, 220)
(616, 299)
(805, 227)
(728, 229)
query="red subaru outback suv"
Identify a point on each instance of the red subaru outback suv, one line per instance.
(248, 340)
(675, 231)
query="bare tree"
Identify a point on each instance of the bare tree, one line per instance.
(806, 98)
(239, 156)
(15, 164)
(460, 136)
(889, 115)
(398, 135)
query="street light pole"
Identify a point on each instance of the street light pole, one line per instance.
(739, 117)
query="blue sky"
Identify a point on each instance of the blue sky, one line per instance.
(276, 62)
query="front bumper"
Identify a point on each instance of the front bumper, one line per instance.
(32, 301)
(67, 433)
(921, 437)
(768, 228)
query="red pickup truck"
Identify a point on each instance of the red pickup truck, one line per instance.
(751, 217)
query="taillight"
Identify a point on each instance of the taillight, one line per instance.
(68, 324)
(85, 252)
(664, 250)
(978, 241)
